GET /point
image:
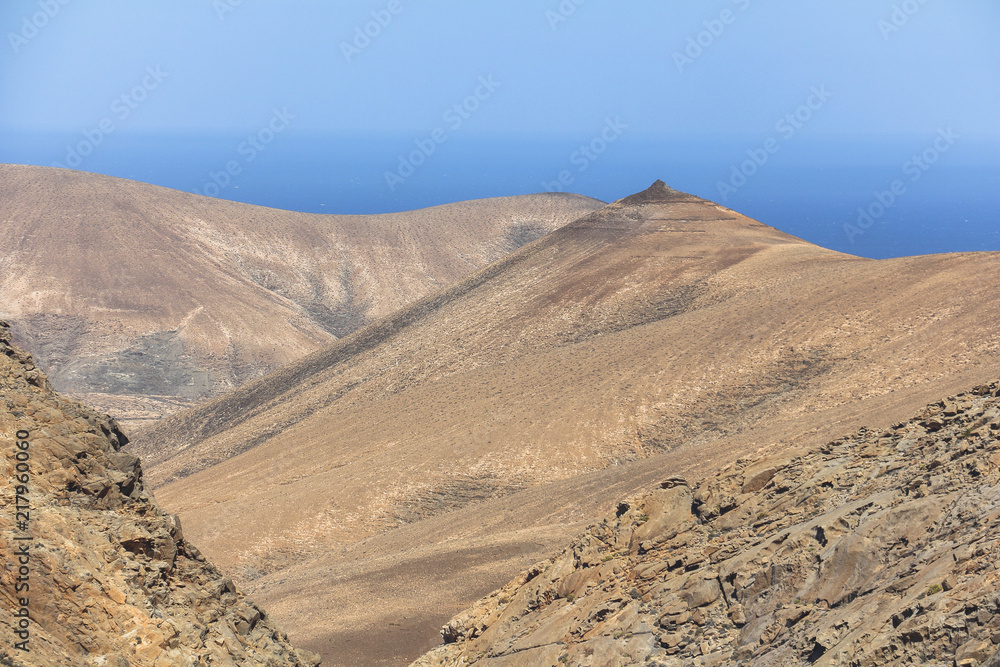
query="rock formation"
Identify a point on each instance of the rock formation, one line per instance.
(880, 548)
(94, 572)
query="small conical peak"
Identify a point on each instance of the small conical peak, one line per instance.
(657, 193)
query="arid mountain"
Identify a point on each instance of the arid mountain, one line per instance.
(879, 548)
(144, 300)
(95, 573)
(430, 456)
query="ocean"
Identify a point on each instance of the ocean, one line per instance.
(875, 198)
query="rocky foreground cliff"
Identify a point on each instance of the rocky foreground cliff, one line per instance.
(94, 572)
(880, 548)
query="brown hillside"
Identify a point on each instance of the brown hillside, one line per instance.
(430, 456)
(144, 299)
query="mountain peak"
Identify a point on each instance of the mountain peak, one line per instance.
(657, 193)
(169, 331)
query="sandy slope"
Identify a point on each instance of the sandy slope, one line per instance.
(143, 300)
(430, 456)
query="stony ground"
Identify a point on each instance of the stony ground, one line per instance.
(881, 548)
(110, 578)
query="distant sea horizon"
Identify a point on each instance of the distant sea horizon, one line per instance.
(879, 199)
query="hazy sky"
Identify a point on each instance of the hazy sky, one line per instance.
(889, 66)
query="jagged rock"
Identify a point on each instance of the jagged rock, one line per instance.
(111, 580)
(874, 549)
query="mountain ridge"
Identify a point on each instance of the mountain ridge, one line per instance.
(144, 299)
(216, 415)
(636, 338)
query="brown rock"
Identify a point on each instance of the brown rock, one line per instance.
(702, 592)
(973, 652)
(109, 574)
(756, 478)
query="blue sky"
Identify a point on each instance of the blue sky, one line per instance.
(836, 95)
(229, 64)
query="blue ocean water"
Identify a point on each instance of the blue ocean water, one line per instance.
(873, 198)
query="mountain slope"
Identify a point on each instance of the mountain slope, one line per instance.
(96, 573)
(875, 549)
(660, 332)
(145, 299)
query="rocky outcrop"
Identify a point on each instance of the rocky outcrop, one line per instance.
(94, 572)
(881, 548)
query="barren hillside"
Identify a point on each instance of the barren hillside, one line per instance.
(428, 457)
(145, 300)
